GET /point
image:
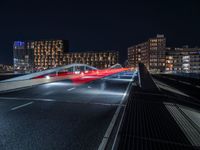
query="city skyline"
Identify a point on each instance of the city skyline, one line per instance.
(31, 56)
(99, 50)
(98, 25)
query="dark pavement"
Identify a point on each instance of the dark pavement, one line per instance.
(160, 119)
(148, 125)
(60, 115)
(187, 85)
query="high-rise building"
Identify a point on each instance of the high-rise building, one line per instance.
(138, 53)
(38, 55)
(99, 59)
(151, 53)
(157, 47)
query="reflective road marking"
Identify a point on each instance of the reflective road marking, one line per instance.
(71, 89)
(20, 106)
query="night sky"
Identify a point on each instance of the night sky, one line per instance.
(98, 25)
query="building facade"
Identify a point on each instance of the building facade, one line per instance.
(98, 59)
(48, 53)
(5, 68)
(157, 49)
(151, 53)
(159, 58)
(23, 57)
(30, 56)
(185, 59)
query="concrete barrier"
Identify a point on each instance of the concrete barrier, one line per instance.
(145, 80)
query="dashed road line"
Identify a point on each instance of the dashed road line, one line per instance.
(198, 86)
(108, 104)
(89, 87)
(20, 106)
(169, 88)
(71, 89)
(185, 82)
(181, 82)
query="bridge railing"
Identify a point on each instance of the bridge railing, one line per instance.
(50, 71)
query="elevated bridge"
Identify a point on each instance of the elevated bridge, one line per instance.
(119, 109)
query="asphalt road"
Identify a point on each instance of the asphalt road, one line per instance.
(60, 115)
(189, 88)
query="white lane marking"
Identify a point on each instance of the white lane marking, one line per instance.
(20, 106)
(182, 82)
(185, 82)
(104, 141)
(169, 88)
(41, 99)
(120, 123)
(186, 126)
(22, 98)
(71, 89)
(197, 86)
(179, 81)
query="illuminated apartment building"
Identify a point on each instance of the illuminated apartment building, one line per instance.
(31, 56)
(102, 59)
(48, 53)
(138, 53)
(157, 47)
(151, 53)
(38, 55)
(159, 58)
(183, 60)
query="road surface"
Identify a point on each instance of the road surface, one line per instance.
(60, 115)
